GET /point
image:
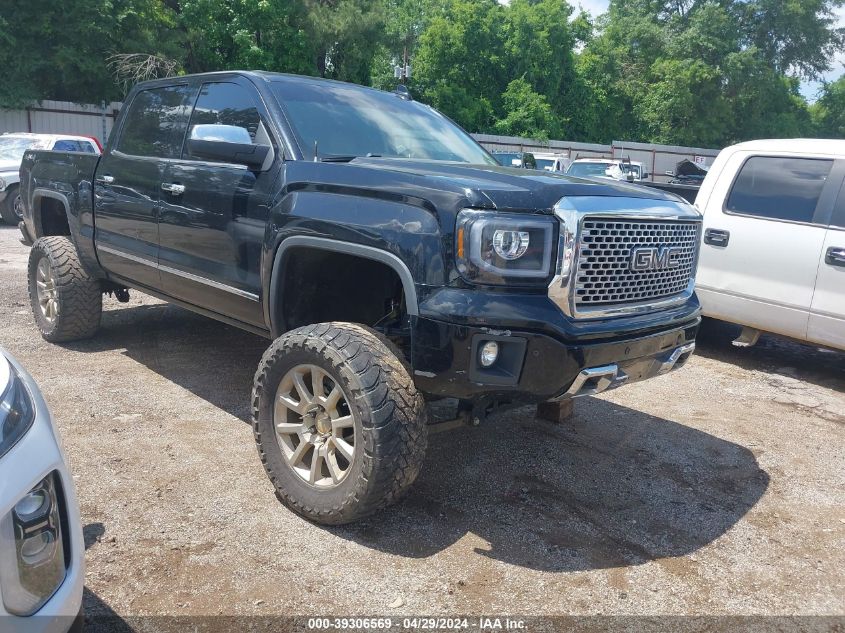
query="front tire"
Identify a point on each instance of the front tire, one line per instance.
(340, 426)
(11, 209)
(66, 301)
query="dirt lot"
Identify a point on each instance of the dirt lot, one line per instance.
(719, 489)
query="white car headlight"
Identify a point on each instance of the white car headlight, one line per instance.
(16, 409)
(33, 556)
(33, 561)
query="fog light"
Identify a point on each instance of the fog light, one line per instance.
(489, 353)
(32, 556)
(39, 548)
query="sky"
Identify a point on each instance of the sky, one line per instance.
(808, 89)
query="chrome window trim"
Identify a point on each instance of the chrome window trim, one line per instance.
(560, 288)
(179, 273)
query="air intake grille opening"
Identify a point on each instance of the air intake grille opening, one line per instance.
(605, 276)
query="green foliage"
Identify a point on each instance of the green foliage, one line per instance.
(709, 72)
(692, 72)
(528, 113)
(829, 111)
(58, 50)
(230, 34)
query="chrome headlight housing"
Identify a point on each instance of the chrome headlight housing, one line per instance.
(504, 248)
(33, 548)
(17, 411)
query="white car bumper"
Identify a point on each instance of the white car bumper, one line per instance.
(34, 457)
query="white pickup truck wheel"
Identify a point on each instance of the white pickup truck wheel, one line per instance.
(66, 301)
(340, 426)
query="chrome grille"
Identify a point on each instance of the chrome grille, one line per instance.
(604, 276)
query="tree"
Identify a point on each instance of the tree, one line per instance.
(829, 111)
(59, 50)
(528, 113)
(459, 64)
(233, 34)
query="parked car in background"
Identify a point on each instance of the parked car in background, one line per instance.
(525, 160)
(41, 544)
(612, 168)
(773, 252)
(551, 162)
(687, 172)
(12, 148)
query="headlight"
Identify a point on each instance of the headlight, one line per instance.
(16, 409)
(2, 184)
(502, 248)
(33, 560)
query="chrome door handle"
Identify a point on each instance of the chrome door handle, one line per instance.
(172, 187)
(835, 256)
(716, 237)
(105, 180)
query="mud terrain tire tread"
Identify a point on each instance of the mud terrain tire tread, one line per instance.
(392, 412)
(80, 295)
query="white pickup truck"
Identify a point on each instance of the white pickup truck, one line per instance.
(773, 252)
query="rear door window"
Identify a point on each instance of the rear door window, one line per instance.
(779, 188)
(156, 122)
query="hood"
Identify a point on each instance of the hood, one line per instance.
(7, 166)
(502, 188)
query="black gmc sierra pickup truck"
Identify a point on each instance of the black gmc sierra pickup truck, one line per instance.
(388, 257)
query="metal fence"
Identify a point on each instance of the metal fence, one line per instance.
(656, 159)
(63, 117)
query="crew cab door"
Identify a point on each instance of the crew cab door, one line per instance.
(214, 214)
(827, 314)
(128, 180)
(762, 238)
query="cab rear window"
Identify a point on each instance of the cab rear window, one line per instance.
(779, 188)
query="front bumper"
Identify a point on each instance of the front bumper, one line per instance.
(445, 361)
(35, 456)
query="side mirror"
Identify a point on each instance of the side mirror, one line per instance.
(226, 143)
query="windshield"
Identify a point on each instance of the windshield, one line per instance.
(506, 159)
(346, 120)
(546, 163)
(631, 169)
(588, 170)
(12, 148)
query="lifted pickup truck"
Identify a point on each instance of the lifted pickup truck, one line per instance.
(388, 257)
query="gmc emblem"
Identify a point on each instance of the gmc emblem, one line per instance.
(655, 258)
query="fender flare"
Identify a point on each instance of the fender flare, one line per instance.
(347, 248)
(39, 193)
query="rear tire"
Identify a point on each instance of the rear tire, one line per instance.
(319, 377)
(66, 301)
(11, 206)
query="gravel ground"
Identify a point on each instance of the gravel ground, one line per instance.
(718, 489)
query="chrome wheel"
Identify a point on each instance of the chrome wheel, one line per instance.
(17, 207)
(45, 283)
(314, 426)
